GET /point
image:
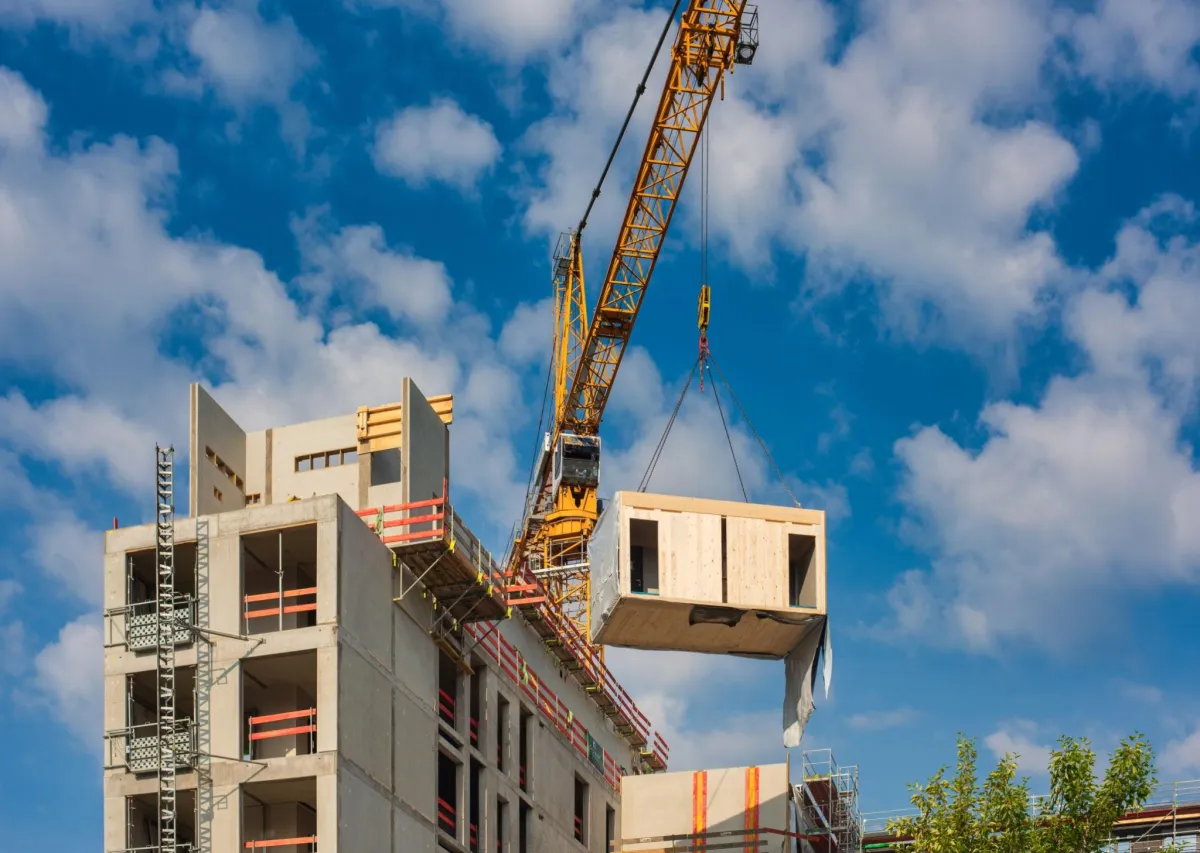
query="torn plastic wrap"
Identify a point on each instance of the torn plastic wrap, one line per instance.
(800, 677)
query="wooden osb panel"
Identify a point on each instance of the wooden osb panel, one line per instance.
(757, 562)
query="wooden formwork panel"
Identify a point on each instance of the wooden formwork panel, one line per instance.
(687, 574)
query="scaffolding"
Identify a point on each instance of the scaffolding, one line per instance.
(827, 803)
(165, 661)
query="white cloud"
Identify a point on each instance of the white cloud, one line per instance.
(1087, 496)
(246, 58)
(438, 142)
(1017, 739)
(509, 30)
(69, 674)
(357, 262)
(1139, 41)
(882, 720)
(1181, 757)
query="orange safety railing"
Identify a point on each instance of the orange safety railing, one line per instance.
(474, 728)
(446, 708)
(309, 840)
(282, 608)
(446, 817)
(512, 664)
(393, 523)
(309, 728)
(474, 837)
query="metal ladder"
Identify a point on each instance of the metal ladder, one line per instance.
(165, 624)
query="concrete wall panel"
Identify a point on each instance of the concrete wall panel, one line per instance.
(366, 588)
(289, 442)
(364, 815)
(425, 448)
(415, 761)
(366, 729)
(410, 835)
(213, 429)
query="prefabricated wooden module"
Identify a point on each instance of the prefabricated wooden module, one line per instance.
(686, 574)
(739, 808)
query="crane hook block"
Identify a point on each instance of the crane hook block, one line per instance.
(703, 308)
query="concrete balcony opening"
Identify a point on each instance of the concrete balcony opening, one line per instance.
(448, 770)
(280, 816)
(136, 623)
(279, 579)
(141, 823)
(136, 747)
(279, 697)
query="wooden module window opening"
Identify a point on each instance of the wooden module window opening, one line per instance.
(502, 719)
(643, 556)
(581, 811)
(447, 795)
(525, 770)
(252, 500)
(501, 825)
(224, 468)
(473, 827)
(326, 459)
(524, 815)
(802, 579)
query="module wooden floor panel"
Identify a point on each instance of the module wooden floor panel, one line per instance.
(649, 622)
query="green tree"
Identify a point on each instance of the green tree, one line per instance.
(960, 815)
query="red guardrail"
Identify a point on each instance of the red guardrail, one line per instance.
(446, 817)
(247, 600)
(310, 840)
(446, 708)
(309, 728)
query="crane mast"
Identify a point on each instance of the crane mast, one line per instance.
(562, 508)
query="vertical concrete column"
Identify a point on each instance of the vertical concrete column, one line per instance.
(225, 583)
(327, 813)
(227, 818)
(327, 699)
(327, 570)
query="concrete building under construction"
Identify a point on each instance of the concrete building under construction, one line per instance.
(316, 657)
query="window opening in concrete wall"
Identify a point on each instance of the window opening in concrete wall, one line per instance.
(643, 556)
(476, 703)
(501, 825)
(581, 811)
(475, 780)
(449, 678)
(136, 746)
(447, 795)
(502, 722)
(141, 821)
(280, 815)
(526, 732)
(802, 586)
(224, 468)
(524, 815)
(326, 459)
(610, 826)
(279, 579)
(136, 622)
(279, 705)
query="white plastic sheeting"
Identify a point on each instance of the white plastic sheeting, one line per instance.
(603, 554)
(799, 668)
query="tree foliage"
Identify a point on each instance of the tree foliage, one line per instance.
(962, 815)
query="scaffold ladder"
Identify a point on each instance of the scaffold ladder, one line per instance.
(165, 624)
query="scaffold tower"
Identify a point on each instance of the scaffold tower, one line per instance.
(165, 625)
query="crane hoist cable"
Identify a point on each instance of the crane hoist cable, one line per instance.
(709, 364)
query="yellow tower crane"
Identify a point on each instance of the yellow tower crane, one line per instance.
(561, 508)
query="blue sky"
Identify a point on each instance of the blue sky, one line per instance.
(953, 257)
